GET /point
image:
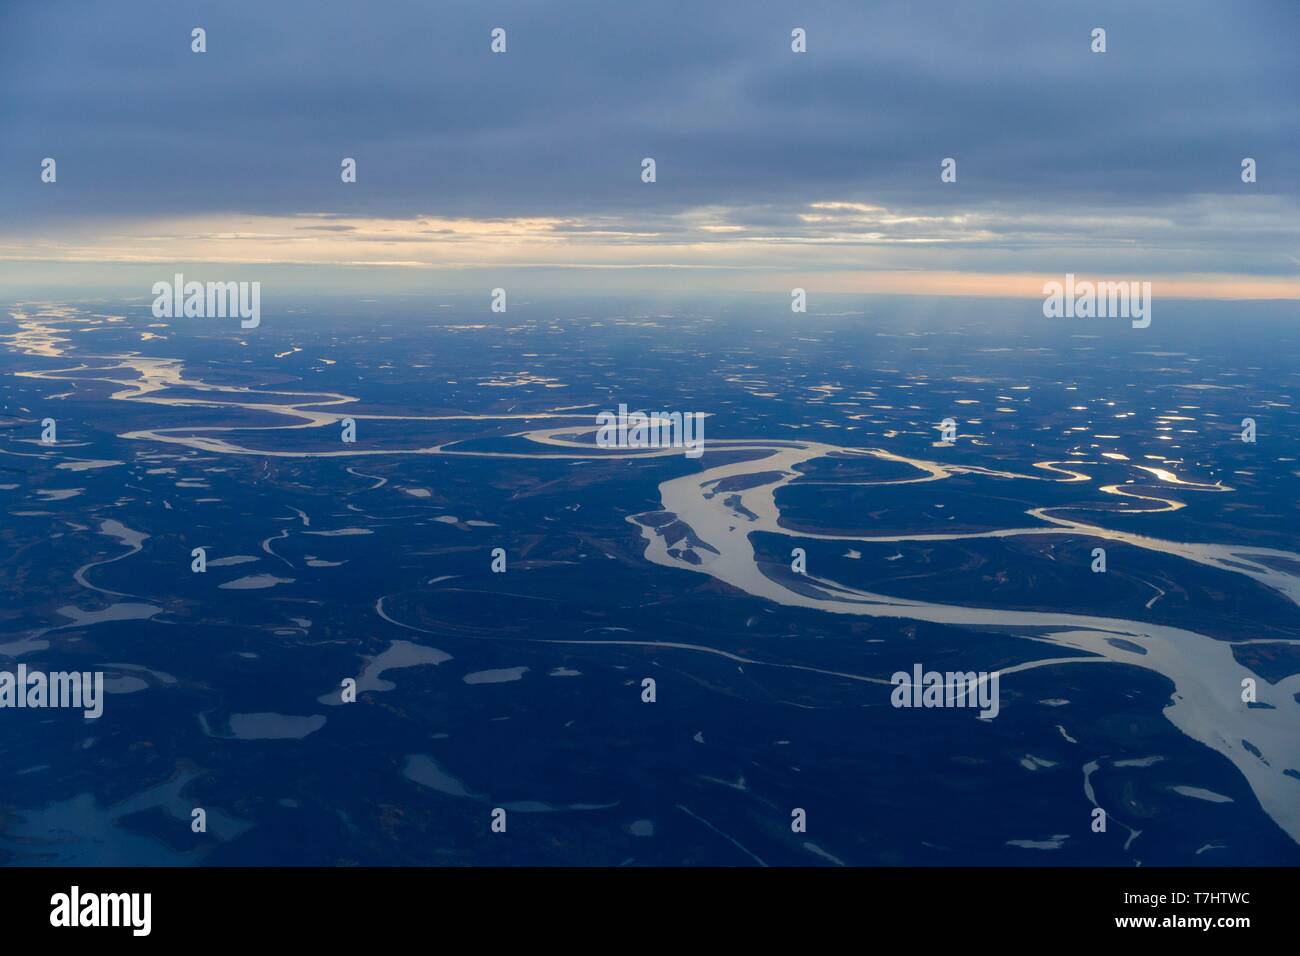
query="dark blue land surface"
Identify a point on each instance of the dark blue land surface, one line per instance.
(523, 690)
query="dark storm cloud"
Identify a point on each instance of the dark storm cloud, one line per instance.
(141, 126)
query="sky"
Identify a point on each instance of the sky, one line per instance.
(774, 168)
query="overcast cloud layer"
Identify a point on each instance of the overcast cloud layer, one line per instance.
(1068, 160)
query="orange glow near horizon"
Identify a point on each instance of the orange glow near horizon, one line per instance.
(701, 250)
(1030, 285)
